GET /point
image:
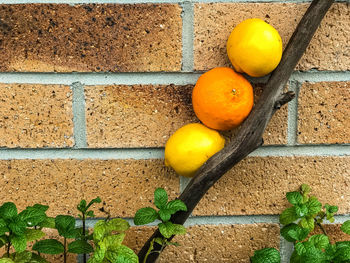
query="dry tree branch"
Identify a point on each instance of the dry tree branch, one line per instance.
(249, 137)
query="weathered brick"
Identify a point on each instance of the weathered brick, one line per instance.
(136, 116)
(329, 49)
(323, 113)
(222, 243)
(146, 116)
(124, 185)
(258, 185)
(35, 116)
(95, 37)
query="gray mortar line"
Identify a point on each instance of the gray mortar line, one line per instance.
(79, 115)
(318, 76)
(286, 250)
(187, 36)
(293, 114)
(158, 153)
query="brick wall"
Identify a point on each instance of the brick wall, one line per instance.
(91, 92)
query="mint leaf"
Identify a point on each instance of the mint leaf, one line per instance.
(313, 205)
(114, 240)
(6, 260)
(33, 215)
(19, 243)
(38, 259)
(288, 216)
(342, 253)
(90, 214)
(331, 209)
(266, 255)
(122, 254)
(179, 229)
(17, 226)
(160, 198)
(82, 206)
(319, 241)
(49, 246)
(100, 229)
(166, 229)
(164, 214)
(80, 247)
(145, 216)
(49, 222)
(117, 224)
(301, 210)
(100, 252)
(65, 226)
(8, 210)
(308, 223)
(293, 232)
(33, 234)
(23, 257)
(175, 206)
(295, 198)
(346, 227)
(97, 200)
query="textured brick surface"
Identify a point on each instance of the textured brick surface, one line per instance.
(100, 37)
(124, 185)
(329, 49)
(258, 185)
(35, 116)
(323, 113)
(136, 116)
(146, 116)
(223, 243)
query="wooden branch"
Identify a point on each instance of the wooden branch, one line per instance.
(249, 137)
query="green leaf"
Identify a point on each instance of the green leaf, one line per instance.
(176, 205)
(122, 254)
(117, 224)
(100, 252)
(158, 240)
(301, 210)
(166, 229)
(33, 215)
(100, 229)
(82, 206)
(313, 205)
(266, 255)
(6, 260)
(8, 210)
(293, 232)
(49, 246)
(288, 216)
(90, 214)
(114, 240)
(308, 223)
(43, 208)
(164, 214)
(346, 227)
(17, 226)
(160, 198)
(65, 226)
(2, 222)
(342, 254)
(300, 248)
(49, 222)
(145, 216)
(330, 251)
(319, 241)
(23, 257)
(80, 247)
(93, 201)
(19, 243)
(179, 229)
(33, 234)
(305, 189)
(3, 230)
(331, 209)
(38, 259)
(295, 198)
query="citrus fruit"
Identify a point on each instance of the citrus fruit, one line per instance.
(222, 98)
(254, 47)
(191, 146)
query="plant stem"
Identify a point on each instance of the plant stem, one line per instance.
(84, 232)
(148, 251)
(8, 249)
(64, 250)
(321, 227)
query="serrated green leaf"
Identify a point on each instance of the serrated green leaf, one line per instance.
(308, 223)
(300, 248)
(80, 247)
(4, 230)
(6, 260)
(33, 234)
(100, 251)
(22, 257)
(114, 240)
(158, 240)
(266, 255)
(117, 224)
(145, 216)
(175, 206)
(341, 244)
(19, 242)
(17, 226)
(293, 232)
(90, 213)
(342, 254)
(313, 205)
(65, 226)
(301, 210)
(166, 229)
(8, 210)
(49, 246)
(288, 216)
(82, 206)
(33, 215)
(331, 209)
(122, 254)
(100, 229)
(319, 241)
(93, 201)
(160, 198)
(346, 227)
(164, 214)
(37, 259)
(179, 229)
(305, 189)
(49, 222)
(2, 222)
(295, 198)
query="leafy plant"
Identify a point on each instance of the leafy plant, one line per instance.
(299, 222)
(108, 237)
(166, 209)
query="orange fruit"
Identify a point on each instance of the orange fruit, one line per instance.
(222, 98)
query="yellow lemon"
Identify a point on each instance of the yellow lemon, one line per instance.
(190, 147)
(254, 47)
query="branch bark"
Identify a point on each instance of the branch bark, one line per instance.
(249, 137)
